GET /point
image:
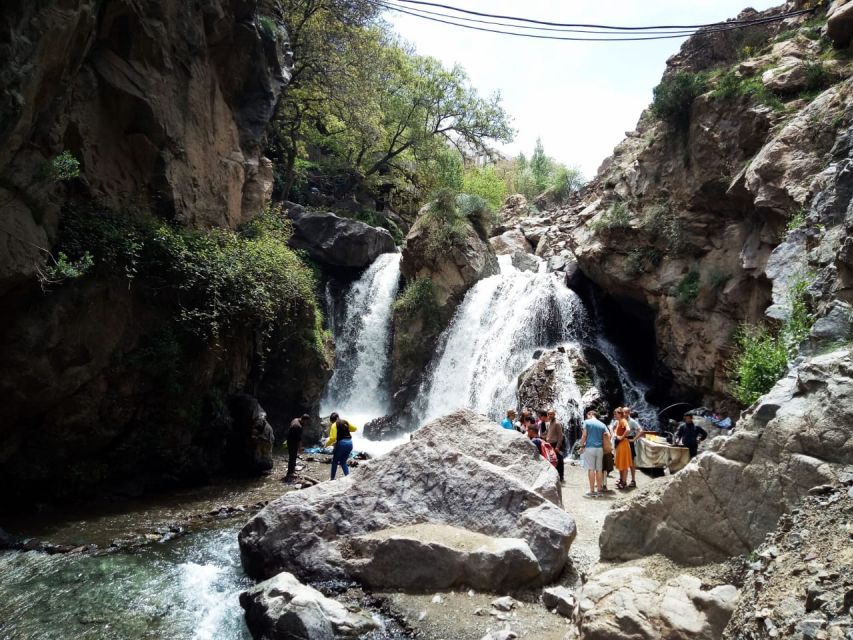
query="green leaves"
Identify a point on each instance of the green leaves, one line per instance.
(219, 280)
(673, 98)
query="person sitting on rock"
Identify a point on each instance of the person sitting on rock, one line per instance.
(592, 452)
(507, 423)
(690, 435)
(545, 450)
(340, 435)
(294, 442)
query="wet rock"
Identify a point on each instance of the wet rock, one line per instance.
(626, 604)
(284, 608)
(428, 480)
(340, 242)
(525, 262)
(385, 428)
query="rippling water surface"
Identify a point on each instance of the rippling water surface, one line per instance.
(186, 589)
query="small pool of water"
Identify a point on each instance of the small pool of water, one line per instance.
(183, 590)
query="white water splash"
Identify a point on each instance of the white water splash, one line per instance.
(359, 384)
(491, 340)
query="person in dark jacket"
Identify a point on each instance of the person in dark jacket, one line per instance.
(294, 441)
(690, 435)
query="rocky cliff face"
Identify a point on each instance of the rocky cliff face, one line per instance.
(450, 274)
(163, 103)
(164, 106)
(683, 224)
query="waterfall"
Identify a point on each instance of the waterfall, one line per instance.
(492, 338)
(358, 388)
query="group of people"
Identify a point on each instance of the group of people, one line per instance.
(339, 438)
(544, 430)
(601, 447)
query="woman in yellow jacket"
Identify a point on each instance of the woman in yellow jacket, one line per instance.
(340, 435)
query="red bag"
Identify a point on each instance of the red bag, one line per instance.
(548, 453)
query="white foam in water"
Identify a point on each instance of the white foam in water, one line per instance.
(491, 340)
(358, 389)
(359, 383)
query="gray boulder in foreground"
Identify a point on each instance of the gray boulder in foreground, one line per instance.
(282, 608)
(461, 473)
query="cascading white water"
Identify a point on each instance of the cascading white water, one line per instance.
(358, 389)
(491, 340)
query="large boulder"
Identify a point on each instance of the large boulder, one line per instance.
(626, 604)
(336, 241)
(443, 477)
(447, 556)
(282, 608)
(794, 438)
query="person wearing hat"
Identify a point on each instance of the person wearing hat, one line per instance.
(294, 441)
(690, 435)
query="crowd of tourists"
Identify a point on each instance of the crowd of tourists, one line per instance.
(603, 448)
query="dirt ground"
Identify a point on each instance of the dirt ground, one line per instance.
(466, 615)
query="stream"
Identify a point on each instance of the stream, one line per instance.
(188, 587)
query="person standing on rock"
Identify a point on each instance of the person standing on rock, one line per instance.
(636, 432)
(592, 452)
(507, 423)
(554, 436)
(690, 435)
(294, 441)
(340, 435)
(623, 458)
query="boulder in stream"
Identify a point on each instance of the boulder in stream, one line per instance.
(499, 507)
(282, 608)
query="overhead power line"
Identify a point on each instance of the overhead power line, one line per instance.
(613, 37)
(389, 4)
(598, 26)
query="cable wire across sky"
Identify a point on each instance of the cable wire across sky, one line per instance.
(611, 33)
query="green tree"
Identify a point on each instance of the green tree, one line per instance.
(387, 123)
(485, 182)
(540, 167)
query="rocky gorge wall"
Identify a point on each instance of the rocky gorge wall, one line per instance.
(689, 222)
(164, 106)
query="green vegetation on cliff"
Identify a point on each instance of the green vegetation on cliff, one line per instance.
(219, 281)
(763, 354)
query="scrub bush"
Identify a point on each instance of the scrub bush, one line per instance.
(673, 98)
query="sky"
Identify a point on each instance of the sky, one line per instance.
(579, 97)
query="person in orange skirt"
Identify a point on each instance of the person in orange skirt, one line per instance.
(622, 451)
